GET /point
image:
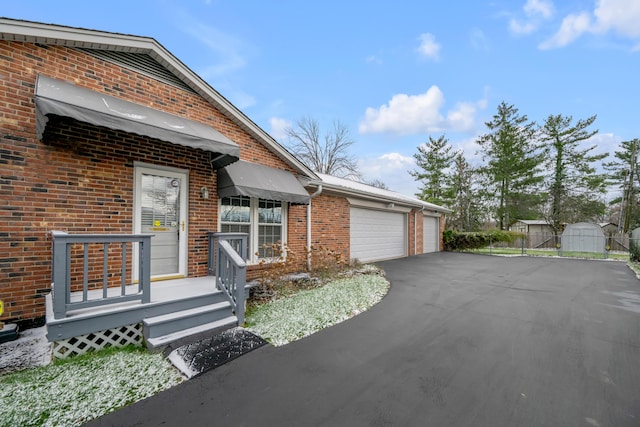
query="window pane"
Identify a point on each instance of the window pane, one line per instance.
(235, 209)
(269, 212)
(268, 235)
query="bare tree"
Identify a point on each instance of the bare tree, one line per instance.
(328, 153)
(377, 183)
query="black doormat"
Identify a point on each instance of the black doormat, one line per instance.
(209, 353)
(8, 332)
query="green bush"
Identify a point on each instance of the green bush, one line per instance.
(460, 241)
(634, 250)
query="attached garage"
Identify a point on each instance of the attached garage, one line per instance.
(431, 234)
(377, 234)
(382, 224)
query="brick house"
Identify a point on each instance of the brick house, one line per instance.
(107, 139)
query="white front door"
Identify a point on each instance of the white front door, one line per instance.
(161, 210)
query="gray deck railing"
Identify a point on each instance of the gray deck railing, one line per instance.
(61, 270)
(238, 242)
(227, 261)
(231, 276)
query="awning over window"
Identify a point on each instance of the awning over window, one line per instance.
(65, 99)
(253, 180)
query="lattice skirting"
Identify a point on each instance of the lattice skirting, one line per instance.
(115, 337)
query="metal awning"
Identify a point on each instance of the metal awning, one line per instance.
(253, 180)
(61, 98)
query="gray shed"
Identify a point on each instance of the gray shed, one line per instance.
(583, 237)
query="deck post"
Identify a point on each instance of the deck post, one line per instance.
(241, 281)
(60, 269)
(145, 268)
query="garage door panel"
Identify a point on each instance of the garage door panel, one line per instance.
(377, 235)
(431, 234)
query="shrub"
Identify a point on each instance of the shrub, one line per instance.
(325, 263)
(634, 250)
(459, 241)
(280, 270)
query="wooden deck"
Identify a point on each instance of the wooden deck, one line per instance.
(167, 297)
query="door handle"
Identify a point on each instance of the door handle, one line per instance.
(182, 224)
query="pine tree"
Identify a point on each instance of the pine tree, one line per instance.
(434, 160)
(467, 209)
(572, 184)
(625, 174)
(512, 171)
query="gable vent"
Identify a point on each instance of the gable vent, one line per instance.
(140, 62)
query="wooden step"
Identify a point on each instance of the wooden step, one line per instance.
(181, 337)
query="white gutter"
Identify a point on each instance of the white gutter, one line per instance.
(317, 193)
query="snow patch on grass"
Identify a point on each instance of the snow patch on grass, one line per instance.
(76, 390)
(308, 311)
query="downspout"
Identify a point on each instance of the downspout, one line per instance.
(317, 193)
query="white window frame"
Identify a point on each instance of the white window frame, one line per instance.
(254, 227)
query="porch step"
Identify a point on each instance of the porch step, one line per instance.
(166, 329)
(181, 337)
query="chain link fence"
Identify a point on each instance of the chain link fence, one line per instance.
(580, 243)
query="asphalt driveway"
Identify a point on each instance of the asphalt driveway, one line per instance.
(460, 340)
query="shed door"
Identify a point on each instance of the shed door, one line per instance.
(377, 235)
(431, 234)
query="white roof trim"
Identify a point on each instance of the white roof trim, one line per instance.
(51, 34)
(351, 188)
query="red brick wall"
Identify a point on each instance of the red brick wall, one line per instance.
(81, 179)
(418, 224)
(330, 223)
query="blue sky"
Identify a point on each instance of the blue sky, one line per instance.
(394, 72)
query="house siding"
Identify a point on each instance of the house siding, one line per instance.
(80, 179)
(330, 224)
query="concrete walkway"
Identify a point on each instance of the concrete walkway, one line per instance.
(460, 340)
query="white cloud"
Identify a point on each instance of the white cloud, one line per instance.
(411, 114)
(372, 59)
(225, 54)
(539, 7)
(536, 11)
(406, 114)
(479, 40)
(278, 128)
(463, 117)
(224, 50)
(429, 48)
(618, 16)
(606, 142)
(572, 27)
(392, 169)
(621, 16)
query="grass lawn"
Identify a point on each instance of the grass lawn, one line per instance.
(73, 391)
(622, 256)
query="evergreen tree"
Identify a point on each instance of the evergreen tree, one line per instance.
(512, 171)
(434, 160)
(467, 209)
(572, 184)
(625, 174)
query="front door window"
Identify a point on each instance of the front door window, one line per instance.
(160, 216)
(161, 201)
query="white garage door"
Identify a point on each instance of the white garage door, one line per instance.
(377, 235)
(431, 236)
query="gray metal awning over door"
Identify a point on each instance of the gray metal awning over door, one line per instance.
(253, 180)
(61, 98)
